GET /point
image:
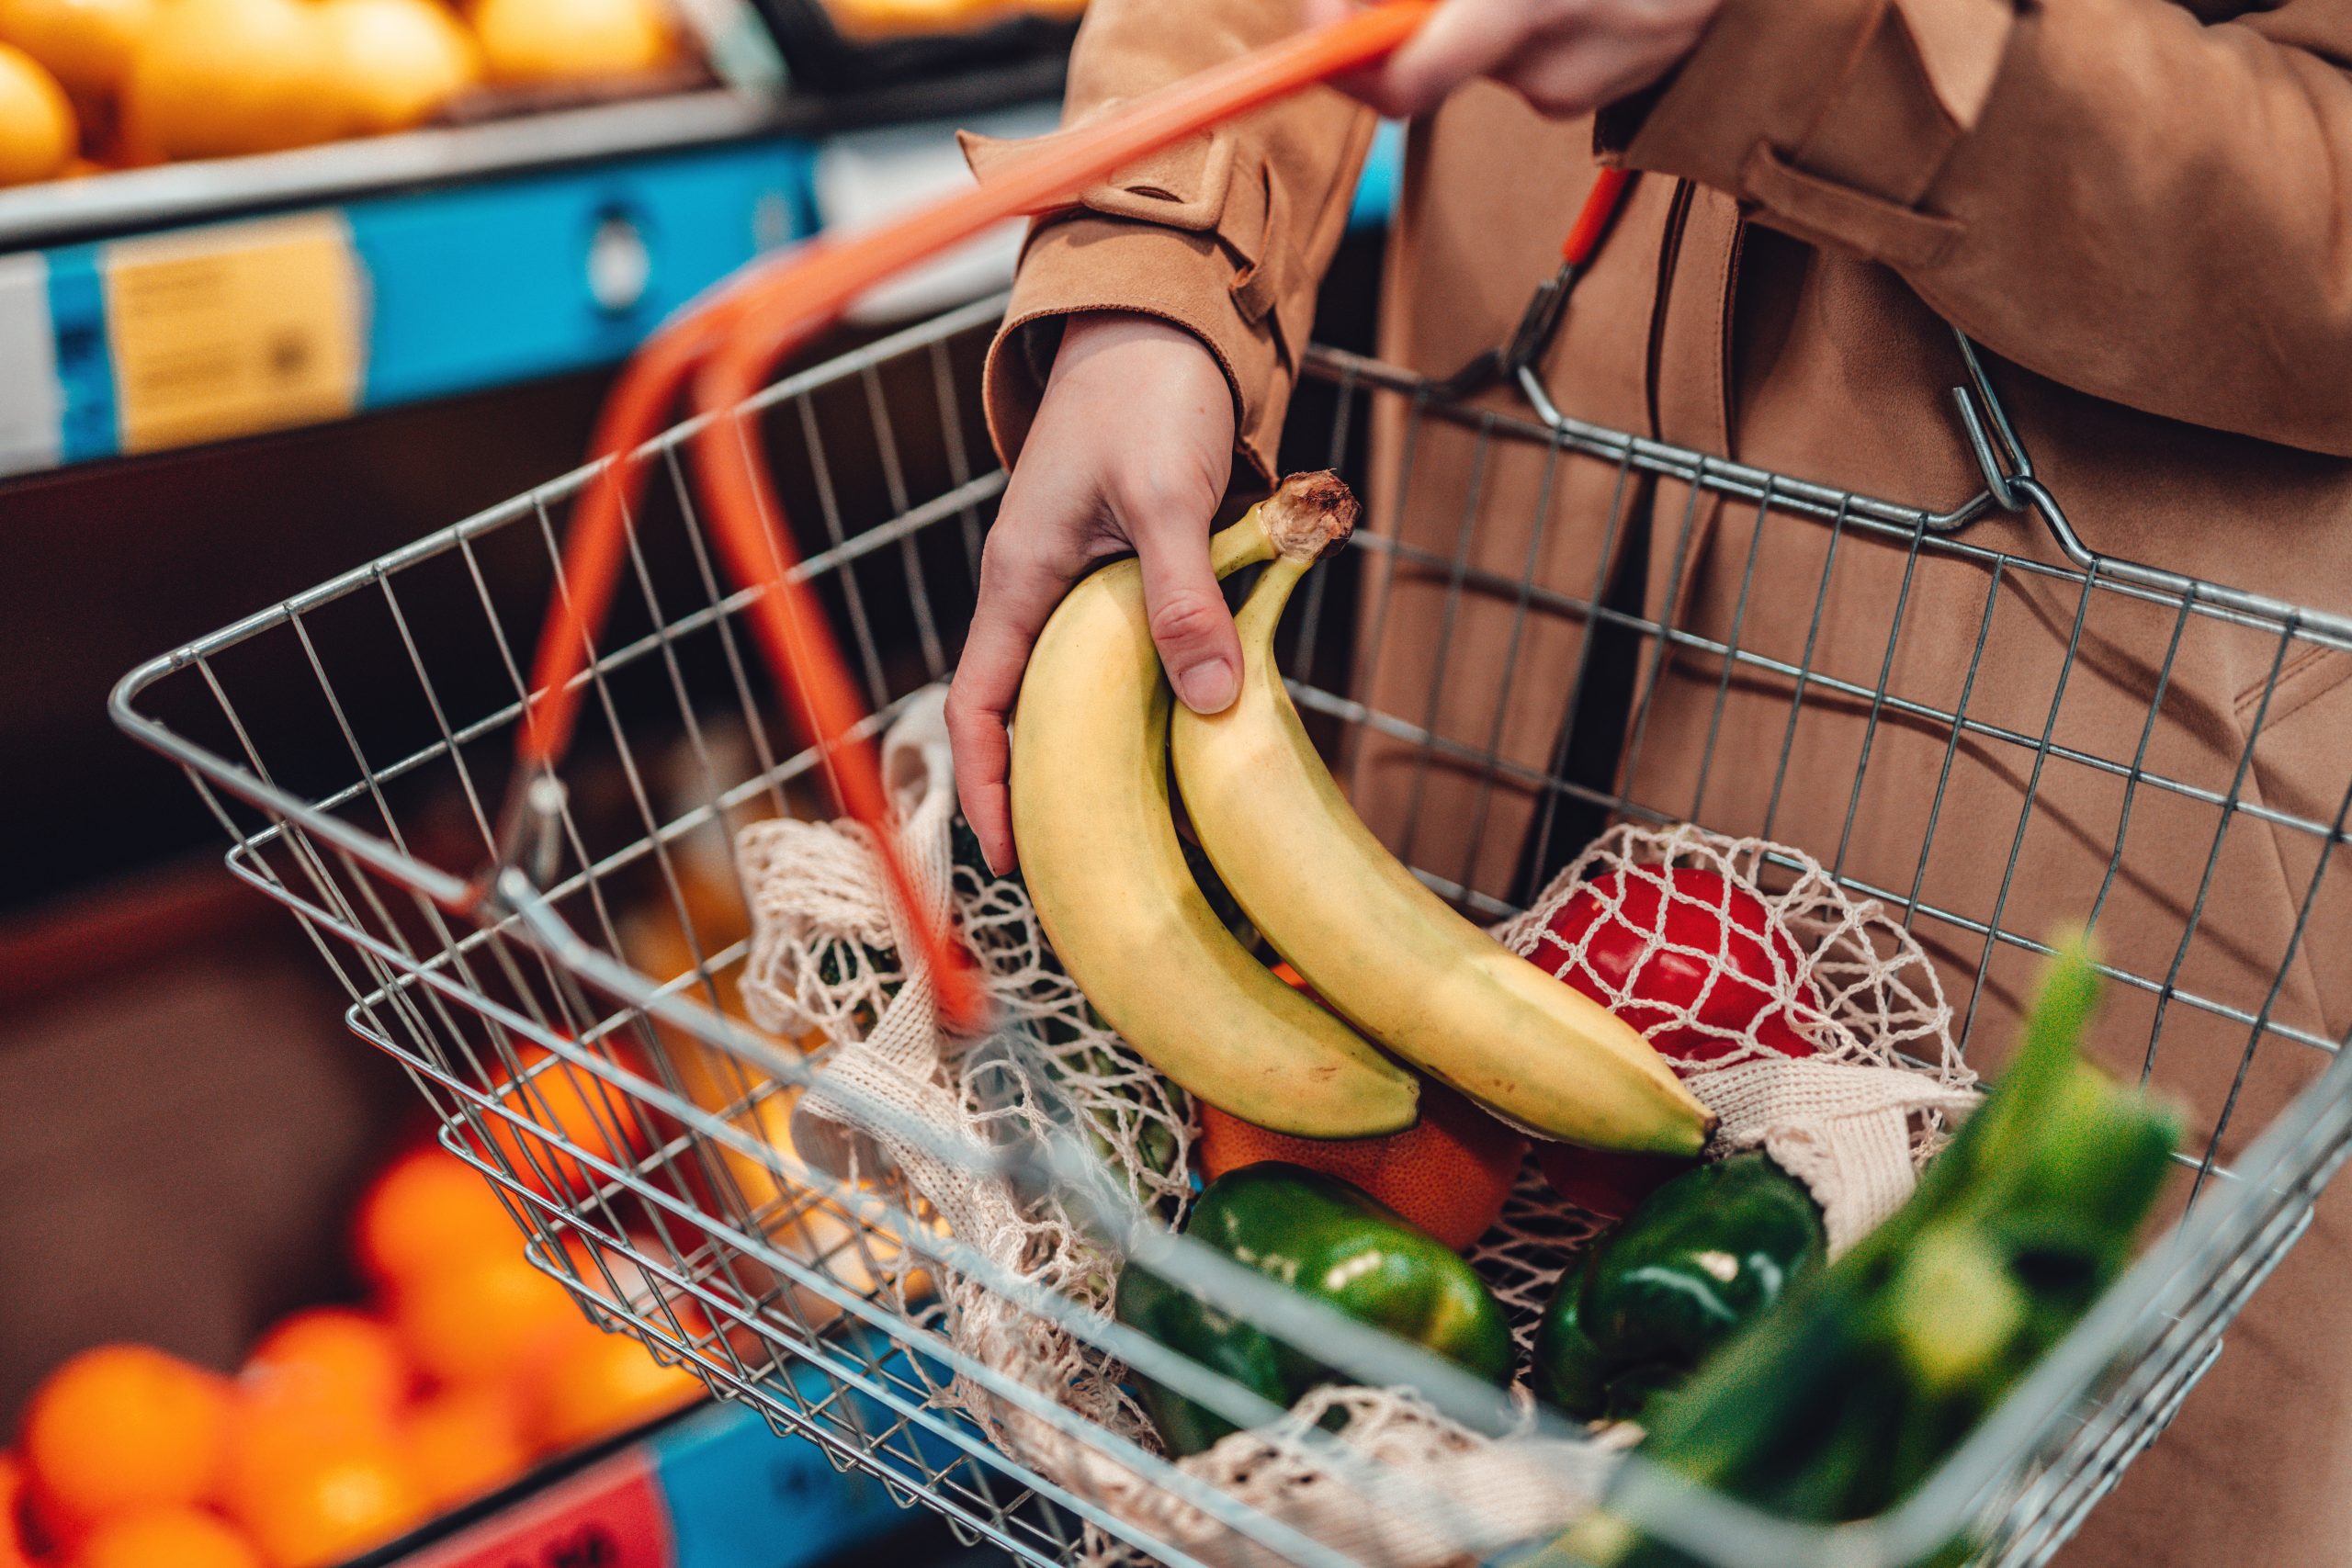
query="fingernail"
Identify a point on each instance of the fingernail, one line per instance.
(1206, 687)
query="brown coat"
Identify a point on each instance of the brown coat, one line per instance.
(2140, 211)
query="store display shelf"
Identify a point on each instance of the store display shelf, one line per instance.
(157, 308)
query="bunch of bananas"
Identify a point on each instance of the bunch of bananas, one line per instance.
(1404, 975)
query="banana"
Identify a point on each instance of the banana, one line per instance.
(1108, 878)
(1361, 930)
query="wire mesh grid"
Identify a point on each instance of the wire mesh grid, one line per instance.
(1972, 719)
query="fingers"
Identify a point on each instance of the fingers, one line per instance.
(1020, 584)
(1464, 38)
(1190, 624)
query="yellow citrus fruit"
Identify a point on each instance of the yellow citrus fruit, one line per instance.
(123, 1428)
(86, 44)
(37, 127)
(215, 78)
(396, 62)
(166, 1537)
(568, 41)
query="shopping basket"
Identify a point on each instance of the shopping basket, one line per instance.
(357, 743)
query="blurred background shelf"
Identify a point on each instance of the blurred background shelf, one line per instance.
(367, 273)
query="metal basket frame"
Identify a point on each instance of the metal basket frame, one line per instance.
(460, 963)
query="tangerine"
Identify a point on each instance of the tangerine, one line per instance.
(37, 128)
(569, 41)
(462, 1442)
(123, 1428)
(313, 1493)
(215, 78)
(86, 44)
(16, 1551)
(564, 1107)
(604, 1384)
(397, 62)
(1447, 1174)
(484, 1320)
(166, 1537)
(340, 1361)
(426, 1210)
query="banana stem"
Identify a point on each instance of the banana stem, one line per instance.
(1308, 516)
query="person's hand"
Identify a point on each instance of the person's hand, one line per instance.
(1566, 57)
(1131, 449)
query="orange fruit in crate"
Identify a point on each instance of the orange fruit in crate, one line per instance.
(463, 1443)
(166, 1537)
(571, 41)
(580, 1109)
(484, 1320)
(342, 1362)
(123, 1428)
(215, 78)
(38, 130)
(396, 62)
(601, 1385)
(1447, 1174)
(428, 1210)
(311, 1491)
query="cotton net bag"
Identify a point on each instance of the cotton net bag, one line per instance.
(1853, 1119)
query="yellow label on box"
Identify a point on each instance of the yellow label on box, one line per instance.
(231, 330)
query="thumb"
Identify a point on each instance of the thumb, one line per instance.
(1190, 624)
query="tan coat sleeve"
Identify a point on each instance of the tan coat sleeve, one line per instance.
(2131, 201)
(1226, 236)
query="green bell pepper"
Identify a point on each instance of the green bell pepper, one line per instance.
(1325, 1238)
(1698, 1259)
(1839, 1403)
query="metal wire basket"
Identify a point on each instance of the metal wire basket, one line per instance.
(572, 1016)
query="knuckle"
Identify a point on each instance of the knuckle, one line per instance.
(1163, 494)
(1186, 618)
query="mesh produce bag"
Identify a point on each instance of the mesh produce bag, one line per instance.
(1852, 1118)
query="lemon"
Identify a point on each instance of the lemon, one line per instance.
(567, 40)
(86, 44)
(396, 62)
(213, 78)
(37, 132)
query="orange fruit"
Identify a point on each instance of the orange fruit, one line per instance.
(485, 1320)
(312, 1492)
(1447, 1174)
(214, 78)
(37, 131)
(605, 1385)
(427, 1209)
(86, 44)
(123, 1428)
(341, 1362)
(396, 62)
(166, 1537)
(16, 1551)
(572, 1103)
(569, 41)
(463, 1443)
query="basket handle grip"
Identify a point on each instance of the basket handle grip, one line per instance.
(725, 346)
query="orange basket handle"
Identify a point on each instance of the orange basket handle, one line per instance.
(725, 348)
